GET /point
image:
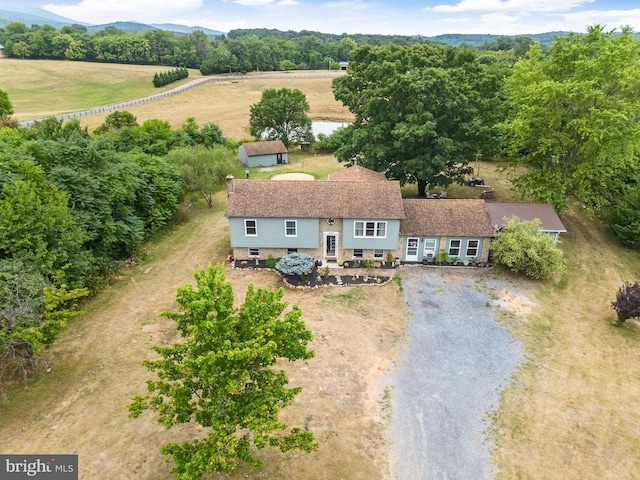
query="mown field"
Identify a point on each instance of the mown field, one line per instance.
(45, 88)
(570, 413)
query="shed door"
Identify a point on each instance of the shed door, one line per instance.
(411, 254)
(279, 158)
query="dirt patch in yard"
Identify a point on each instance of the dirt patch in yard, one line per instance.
(80, 406)
(293, 176)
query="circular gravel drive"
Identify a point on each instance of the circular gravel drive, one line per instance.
(457, 359)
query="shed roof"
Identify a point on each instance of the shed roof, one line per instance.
(446, 217)
(356, 173)
(549, 219)
(317, 199)
(264, 148)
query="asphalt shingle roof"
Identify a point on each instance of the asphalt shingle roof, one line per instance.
(356, 173)
(264, 148)
(446, 217)
(314, 199)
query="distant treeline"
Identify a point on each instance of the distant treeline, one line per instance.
(240, 51)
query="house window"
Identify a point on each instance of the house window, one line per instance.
(251, 228)
(472, 248)
(429, 247)
(254, 252)
(370, 229)
(454, 247)
(357, 253)
(292, 250)
(378, 253)
(290, 228)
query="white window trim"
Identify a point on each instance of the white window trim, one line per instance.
(295, 226)
(459, 247)
(249, 252)
(364, 228)
(426, 250)
(378, 250)
(361, 253)
(255, 222)
(477, 247)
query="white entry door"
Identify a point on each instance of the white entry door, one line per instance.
(411, 253)
(331, 245)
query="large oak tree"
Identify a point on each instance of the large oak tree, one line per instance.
(417, 112)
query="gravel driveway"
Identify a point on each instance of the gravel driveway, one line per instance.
(457, 359)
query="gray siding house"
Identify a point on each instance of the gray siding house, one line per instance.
(263, 154)
(445, 229)
(360, 215)
(330, 221)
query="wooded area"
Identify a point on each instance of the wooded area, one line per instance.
(75, 205)
(240, 51)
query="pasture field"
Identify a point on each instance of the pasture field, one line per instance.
(42, 88)
(571, 411)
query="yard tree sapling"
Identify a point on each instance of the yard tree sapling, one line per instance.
(281, 115)
(523, 248)
(222, 376)
(627, 304)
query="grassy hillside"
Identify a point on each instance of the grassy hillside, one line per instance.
(42, 88)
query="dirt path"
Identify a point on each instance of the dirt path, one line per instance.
(80, 406)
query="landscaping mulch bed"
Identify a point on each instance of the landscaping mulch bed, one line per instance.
(315, 279)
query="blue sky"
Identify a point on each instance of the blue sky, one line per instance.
(425, 17)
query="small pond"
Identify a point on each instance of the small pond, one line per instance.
(326, 127)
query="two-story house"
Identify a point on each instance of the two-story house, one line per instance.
(331, 221)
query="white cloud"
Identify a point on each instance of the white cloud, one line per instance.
(253, 3)
(611, 18)
(345, 6)
(519, 6)
(100, 11)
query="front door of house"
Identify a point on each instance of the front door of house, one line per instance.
(330, 245)
(411, 253)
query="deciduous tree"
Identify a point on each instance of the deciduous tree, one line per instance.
(573, 117)
(6, 108)
(204, 170)
(281, 115)
(416, 111)
(222, 375)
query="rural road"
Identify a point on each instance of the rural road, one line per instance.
(457, 359)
